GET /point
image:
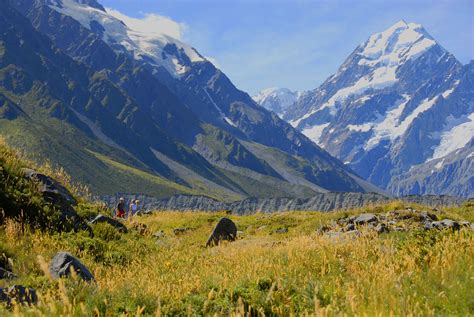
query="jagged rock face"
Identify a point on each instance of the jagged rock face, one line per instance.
(156, 105)
(399, 101)
(319, 202)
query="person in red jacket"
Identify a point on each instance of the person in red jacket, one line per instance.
(120, 210)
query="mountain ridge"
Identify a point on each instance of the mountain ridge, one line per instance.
(194, 128)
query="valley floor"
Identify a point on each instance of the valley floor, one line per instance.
(153, 271)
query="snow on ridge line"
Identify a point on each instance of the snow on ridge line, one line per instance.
(137, 43)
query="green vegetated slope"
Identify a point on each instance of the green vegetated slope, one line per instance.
(268, 271)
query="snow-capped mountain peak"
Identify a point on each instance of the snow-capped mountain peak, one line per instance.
(395, 45)
(276, 99)
(400, 100)
(158, 48)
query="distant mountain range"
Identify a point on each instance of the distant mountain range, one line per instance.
(399, 111)
(128, 111)
(276, 99)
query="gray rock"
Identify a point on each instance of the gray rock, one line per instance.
(18, 294)
(7, 275)
(63, 262)
(428, 225)
(224, 230)
(59, 197)
(446, 224)
(113, 222)
(472, 225)
(281, 230)
(426, 216)
(381, 228)
(365, 218)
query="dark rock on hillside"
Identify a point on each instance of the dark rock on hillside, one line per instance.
(18, 294)
(224, 230)
(52, 191)
(113, 222)
(59, 197)
(63, 262)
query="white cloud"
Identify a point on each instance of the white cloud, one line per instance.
(151, 23)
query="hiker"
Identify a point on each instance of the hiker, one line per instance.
(133, 208)
(120, 210)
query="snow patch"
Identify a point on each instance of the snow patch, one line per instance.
(456, 133)
(315, 132)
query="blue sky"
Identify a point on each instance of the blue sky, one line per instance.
(298, 44)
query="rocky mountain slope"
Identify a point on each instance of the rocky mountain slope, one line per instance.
(318, 202)
(128, 111)
(399, 111)
(277, 100)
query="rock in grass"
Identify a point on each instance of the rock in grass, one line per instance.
(18, 294)
(113, 222)
(281, 230)
(63, 262)
(224, 230)
(446, 224)
(365, 218)
(381, 228)
(59, 197)
(7, 275)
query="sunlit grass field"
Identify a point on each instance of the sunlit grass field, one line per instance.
(262, 273)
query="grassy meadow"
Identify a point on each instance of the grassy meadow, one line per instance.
(262, 273)
(151, 271)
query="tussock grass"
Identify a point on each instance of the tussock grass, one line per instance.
(263, 273)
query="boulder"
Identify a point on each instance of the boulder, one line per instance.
(446, 224)
(365, 218)
(18, 294)
(224, 230)
(113, 222)
(63, 262)
(7, 275)
(59, 197)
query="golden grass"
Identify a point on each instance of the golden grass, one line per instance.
(298, 273)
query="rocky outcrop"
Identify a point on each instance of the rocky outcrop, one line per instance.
(59, 197)
(319, 202)
(113, 222)
(395, 220)
(62, 264)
